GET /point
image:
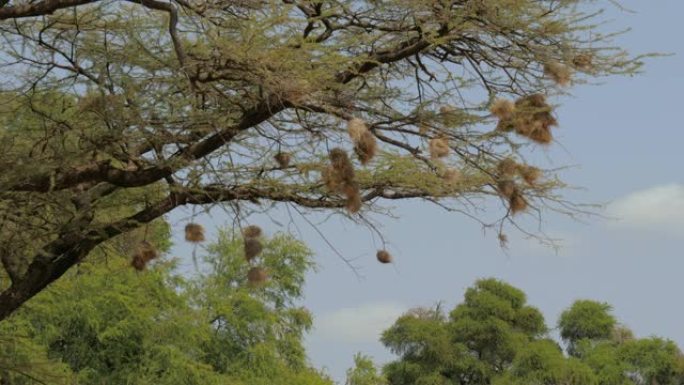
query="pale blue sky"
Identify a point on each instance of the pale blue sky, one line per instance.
(626, 136)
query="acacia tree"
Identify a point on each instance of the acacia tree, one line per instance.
(114, 113)
(495, 337)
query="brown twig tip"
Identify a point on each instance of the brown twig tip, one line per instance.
(356, 128)
(283, 159)
(257, 276)
(439, 147)
(194, 233)
(144, 253)
(583, 62)
(251, 231)
(517, 202)
(502, 108)
(366, 147)
(253, 247)
(559, 73)
(384, 256)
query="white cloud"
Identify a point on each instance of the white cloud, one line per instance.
(659, 207)
(363, 323)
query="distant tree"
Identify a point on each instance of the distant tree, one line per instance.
(115, 113)
(478, 341)
(364, 372)
(494, 337)
(586, 320)
(110, 324)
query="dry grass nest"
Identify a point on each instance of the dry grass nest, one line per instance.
(339, 178)
(533, 119)
(194, 233)
(283, 159)
(252, 248)
(251, 231)
(144, 253)
(257, 276)
(384, 256)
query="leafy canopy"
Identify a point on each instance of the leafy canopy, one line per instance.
(108, 323)
(495, 337)
(115, 113)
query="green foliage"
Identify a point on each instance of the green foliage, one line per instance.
(364, 372)
(494, 337)
(107, 323)
(113, 114)
(586, 319)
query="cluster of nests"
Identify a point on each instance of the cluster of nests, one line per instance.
(256, 275)
(529, 116)
(194, 233)
(339, 177)
(146, 252)
(507, 171)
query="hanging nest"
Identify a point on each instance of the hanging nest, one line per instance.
(257, 276)
(253, 248)
(533, 119)
(583, 62)
(517, 202)
(342, 166)
(356, 128)
(330, 179)
(353, 203)
(366, 147)
(339, 178)
(507, 168)
(530, 174)
(439, 147)
(283, 159)
(559, 73)
(449, 115)
(251, 231)
(452, 176)
(384, 256)
(138, 263)
(506, 188)
(503, 108)
(144, 253)
(194, 233)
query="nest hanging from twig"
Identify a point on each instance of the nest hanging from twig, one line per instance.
(257, 276)
(144, 253)
(194, 233)
(384, 256)
(251, 231)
